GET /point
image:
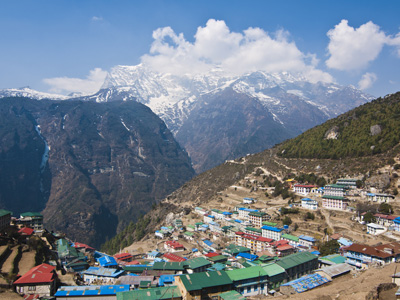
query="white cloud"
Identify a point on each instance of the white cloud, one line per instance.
(87, 86)
(367, 80)
(354, 48)
(215, 45)
(97, 19)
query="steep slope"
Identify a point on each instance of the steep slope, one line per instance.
(360, 123)
(369, 129)
(227, 125)
(107, 163)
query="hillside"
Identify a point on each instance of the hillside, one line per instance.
(207, 188)
(91, 168)
(366, 130)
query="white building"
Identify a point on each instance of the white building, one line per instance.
(303, 189)
(308, 203)
(380, 198)
(272, 232)
(375, 229)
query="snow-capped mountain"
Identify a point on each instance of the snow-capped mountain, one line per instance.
(291, 101)
(30, 93)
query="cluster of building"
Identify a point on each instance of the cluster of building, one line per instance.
(335, 196)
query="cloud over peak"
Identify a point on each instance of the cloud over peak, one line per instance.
(216, 45)
(87, 86)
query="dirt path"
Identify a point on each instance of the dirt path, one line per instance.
(27, 262)
(8, 264)
(327, 219)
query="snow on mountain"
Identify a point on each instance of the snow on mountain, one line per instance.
(30, 93)
(171, 96)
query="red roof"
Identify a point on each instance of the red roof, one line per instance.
(130, 263)
(174, 244)
(173, 257)
(80, 245)
(26, 231)
(280, 243)
(387, 217)
(284, 247)
(253, 237)
(123, 256)
(43, 273)
(211, 254)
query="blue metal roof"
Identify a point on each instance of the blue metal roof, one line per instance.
(266, 227)
(238, 221)
(100, 271)
(226, 213)
(208, 242)
(166, 279)
(248, 256)
(307, 238)
(154, 253)
(345, 241)
(107, 261)
(91, 290)
(307, 282)
(397, 220)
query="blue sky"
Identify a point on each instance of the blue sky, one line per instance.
(61, 45)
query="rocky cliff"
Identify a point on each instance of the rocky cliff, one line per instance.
(90, 167)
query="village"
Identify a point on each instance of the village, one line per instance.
(242, 245)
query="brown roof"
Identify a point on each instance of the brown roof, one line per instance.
(336, 236)
(368, 250)
(393, 245)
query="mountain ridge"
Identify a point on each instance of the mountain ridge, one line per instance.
(107, 163)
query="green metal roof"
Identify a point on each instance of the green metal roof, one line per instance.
(290, 237)
(234, 249)
(31, 214)
(188, 233)
(190, 226)
(196, 262)
(295, 259)
(337, 186)
(4, 212)
(246, 273)
(269, 223)
(218, 258)
(257, 213)
(136, 269)
(167, 292)
(198, 281)
(273, 269)
(335, 258)
(64, 249)
(258, 230)
(333, 197)
(161, 265)
(231, 295)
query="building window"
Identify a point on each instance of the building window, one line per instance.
(256, 288)
(32, 288)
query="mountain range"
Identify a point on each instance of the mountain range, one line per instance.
(231, 115)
